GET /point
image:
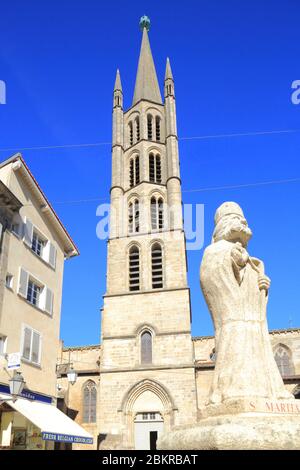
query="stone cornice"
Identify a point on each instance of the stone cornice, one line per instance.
(153, 291)
(147, 368)
(81, 348)
(133, 336)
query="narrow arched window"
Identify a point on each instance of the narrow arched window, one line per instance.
(134, 268)
(157, 128)
(157, 267)
(160, 204)
(134, 171)
(153, 214)
(151, 168)
(154, 168)
(137, 170)
(283, 361)
(89, 402)
(158, 169)
(134, 217)
(157, 213)
(130, 127)
(149, 126)
(131, 172)
(137, 129)
(146, 347)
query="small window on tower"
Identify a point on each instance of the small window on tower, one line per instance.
(157, 213)
(134, 269)
(137, 170)
(134, 171)
(151, 168)
(158, 169)
(157, 267)
(149, 126)
(146, 348)
(157, 128)
(130, 133)
(137, 128)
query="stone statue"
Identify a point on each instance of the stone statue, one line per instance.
(235, 288)
(248, 405)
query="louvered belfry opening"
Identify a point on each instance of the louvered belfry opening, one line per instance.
(130, 133)
(157, 213)
(134, 171)
(160, 213)
(158, 169)
(151, 168)
(146, 348)
(134, 268)
(154, 168)
(137, 170)
(137, 128)
(149, 127)
(131, 173)
(134, 217)
(157, 266)
(157, 128)
(153, 214)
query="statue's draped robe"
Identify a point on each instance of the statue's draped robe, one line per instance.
(245, 366)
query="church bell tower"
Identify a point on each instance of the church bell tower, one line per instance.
(147, 378)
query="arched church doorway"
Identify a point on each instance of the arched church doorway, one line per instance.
(148, 411)
(147, 428)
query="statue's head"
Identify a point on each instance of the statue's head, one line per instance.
(231, 225)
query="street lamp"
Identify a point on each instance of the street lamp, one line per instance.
(16, 385)
(72, 375)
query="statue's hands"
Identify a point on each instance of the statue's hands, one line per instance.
(264, 282)
(239, 255)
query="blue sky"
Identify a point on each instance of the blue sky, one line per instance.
(233, 64)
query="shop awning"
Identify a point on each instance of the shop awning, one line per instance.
(54, 425)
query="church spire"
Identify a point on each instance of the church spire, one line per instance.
(146, 84)
(168, 74)
(118, 85)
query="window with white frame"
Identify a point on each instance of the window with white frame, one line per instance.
(9, 281)
(39, 244)
(31, 345)
(15, 228)
(3, 342)
(35, 292)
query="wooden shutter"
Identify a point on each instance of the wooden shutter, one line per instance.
(28, 232)
(26, 343)
(49, 301)
(52, 255)
(35, 350)
(23, 282)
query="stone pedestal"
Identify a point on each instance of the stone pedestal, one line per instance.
(240, 425)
